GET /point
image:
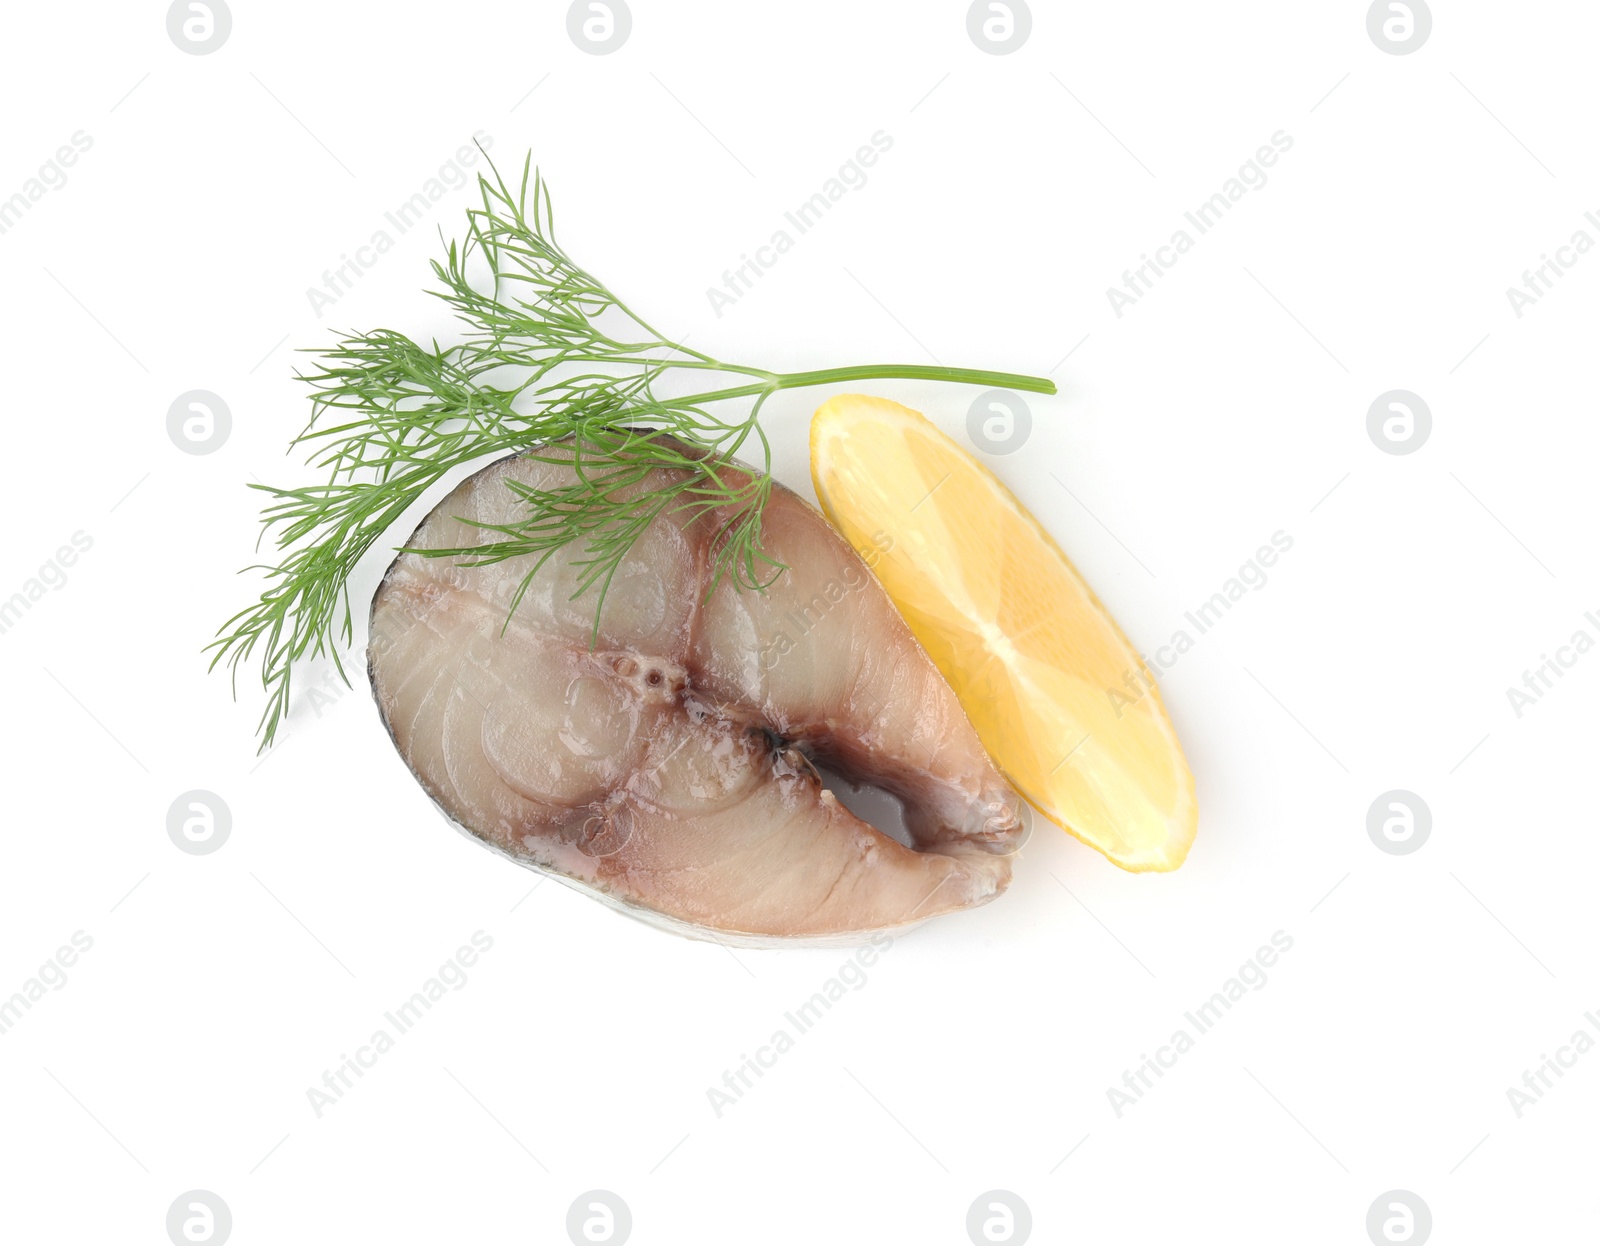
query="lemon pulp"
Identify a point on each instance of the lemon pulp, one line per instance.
(1061, 700)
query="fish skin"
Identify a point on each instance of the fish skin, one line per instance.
(667, 769)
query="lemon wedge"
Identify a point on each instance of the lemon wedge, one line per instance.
(1062, 701)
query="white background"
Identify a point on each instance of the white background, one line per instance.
(1223, 407)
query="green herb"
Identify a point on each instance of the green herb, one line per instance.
(390, 418)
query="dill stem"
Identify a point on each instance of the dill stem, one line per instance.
(917, 372)
(879, 372)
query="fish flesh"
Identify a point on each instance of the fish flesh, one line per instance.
(667, 762)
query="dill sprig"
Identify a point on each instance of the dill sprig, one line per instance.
(548, 354)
